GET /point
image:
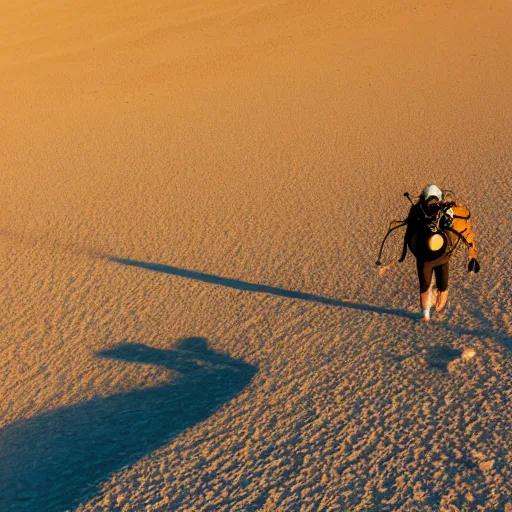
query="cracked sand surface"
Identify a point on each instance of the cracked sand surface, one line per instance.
(193, 200)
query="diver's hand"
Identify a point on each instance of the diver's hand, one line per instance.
(474, 266)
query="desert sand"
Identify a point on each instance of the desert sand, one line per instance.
(193, 198)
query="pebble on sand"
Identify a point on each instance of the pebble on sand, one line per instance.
(468, 354)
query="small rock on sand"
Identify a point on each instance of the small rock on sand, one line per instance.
(468, 354)
(486, 466)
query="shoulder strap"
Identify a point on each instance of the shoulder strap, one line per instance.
(462, 216)
(459, 235)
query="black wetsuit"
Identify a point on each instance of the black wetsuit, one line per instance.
(425, 271)
(427, 262)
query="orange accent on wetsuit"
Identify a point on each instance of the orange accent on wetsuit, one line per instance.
(462, 225)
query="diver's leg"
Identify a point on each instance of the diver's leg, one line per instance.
(442, 273)
(425, 277)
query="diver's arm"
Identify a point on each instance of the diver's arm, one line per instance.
(470, 241)
(408, 231)
(473, 265)
(462, 226)
(404, 249)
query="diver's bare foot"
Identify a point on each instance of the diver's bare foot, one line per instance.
(441, 301)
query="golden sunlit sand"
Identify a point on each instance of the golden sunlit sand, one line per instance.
(194, 195)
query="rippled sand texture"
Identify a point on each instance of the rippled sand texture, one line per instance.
(193, 197)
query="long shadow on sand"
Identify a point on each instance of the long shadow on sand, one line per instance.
(53, 461)
(486, 332)
(259, 288)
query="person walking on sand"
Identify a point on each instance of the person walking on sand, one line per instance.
(435, 227)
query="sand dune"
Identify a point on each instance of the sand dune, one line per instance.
(224, 172)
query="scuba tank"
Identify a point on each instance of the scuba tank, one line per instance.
(428, 234)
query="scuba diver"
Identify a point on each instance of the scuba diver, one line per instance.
(435, 227)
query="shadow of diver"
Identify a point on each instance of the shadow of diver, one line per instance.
(259, 288)
(54, 461)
